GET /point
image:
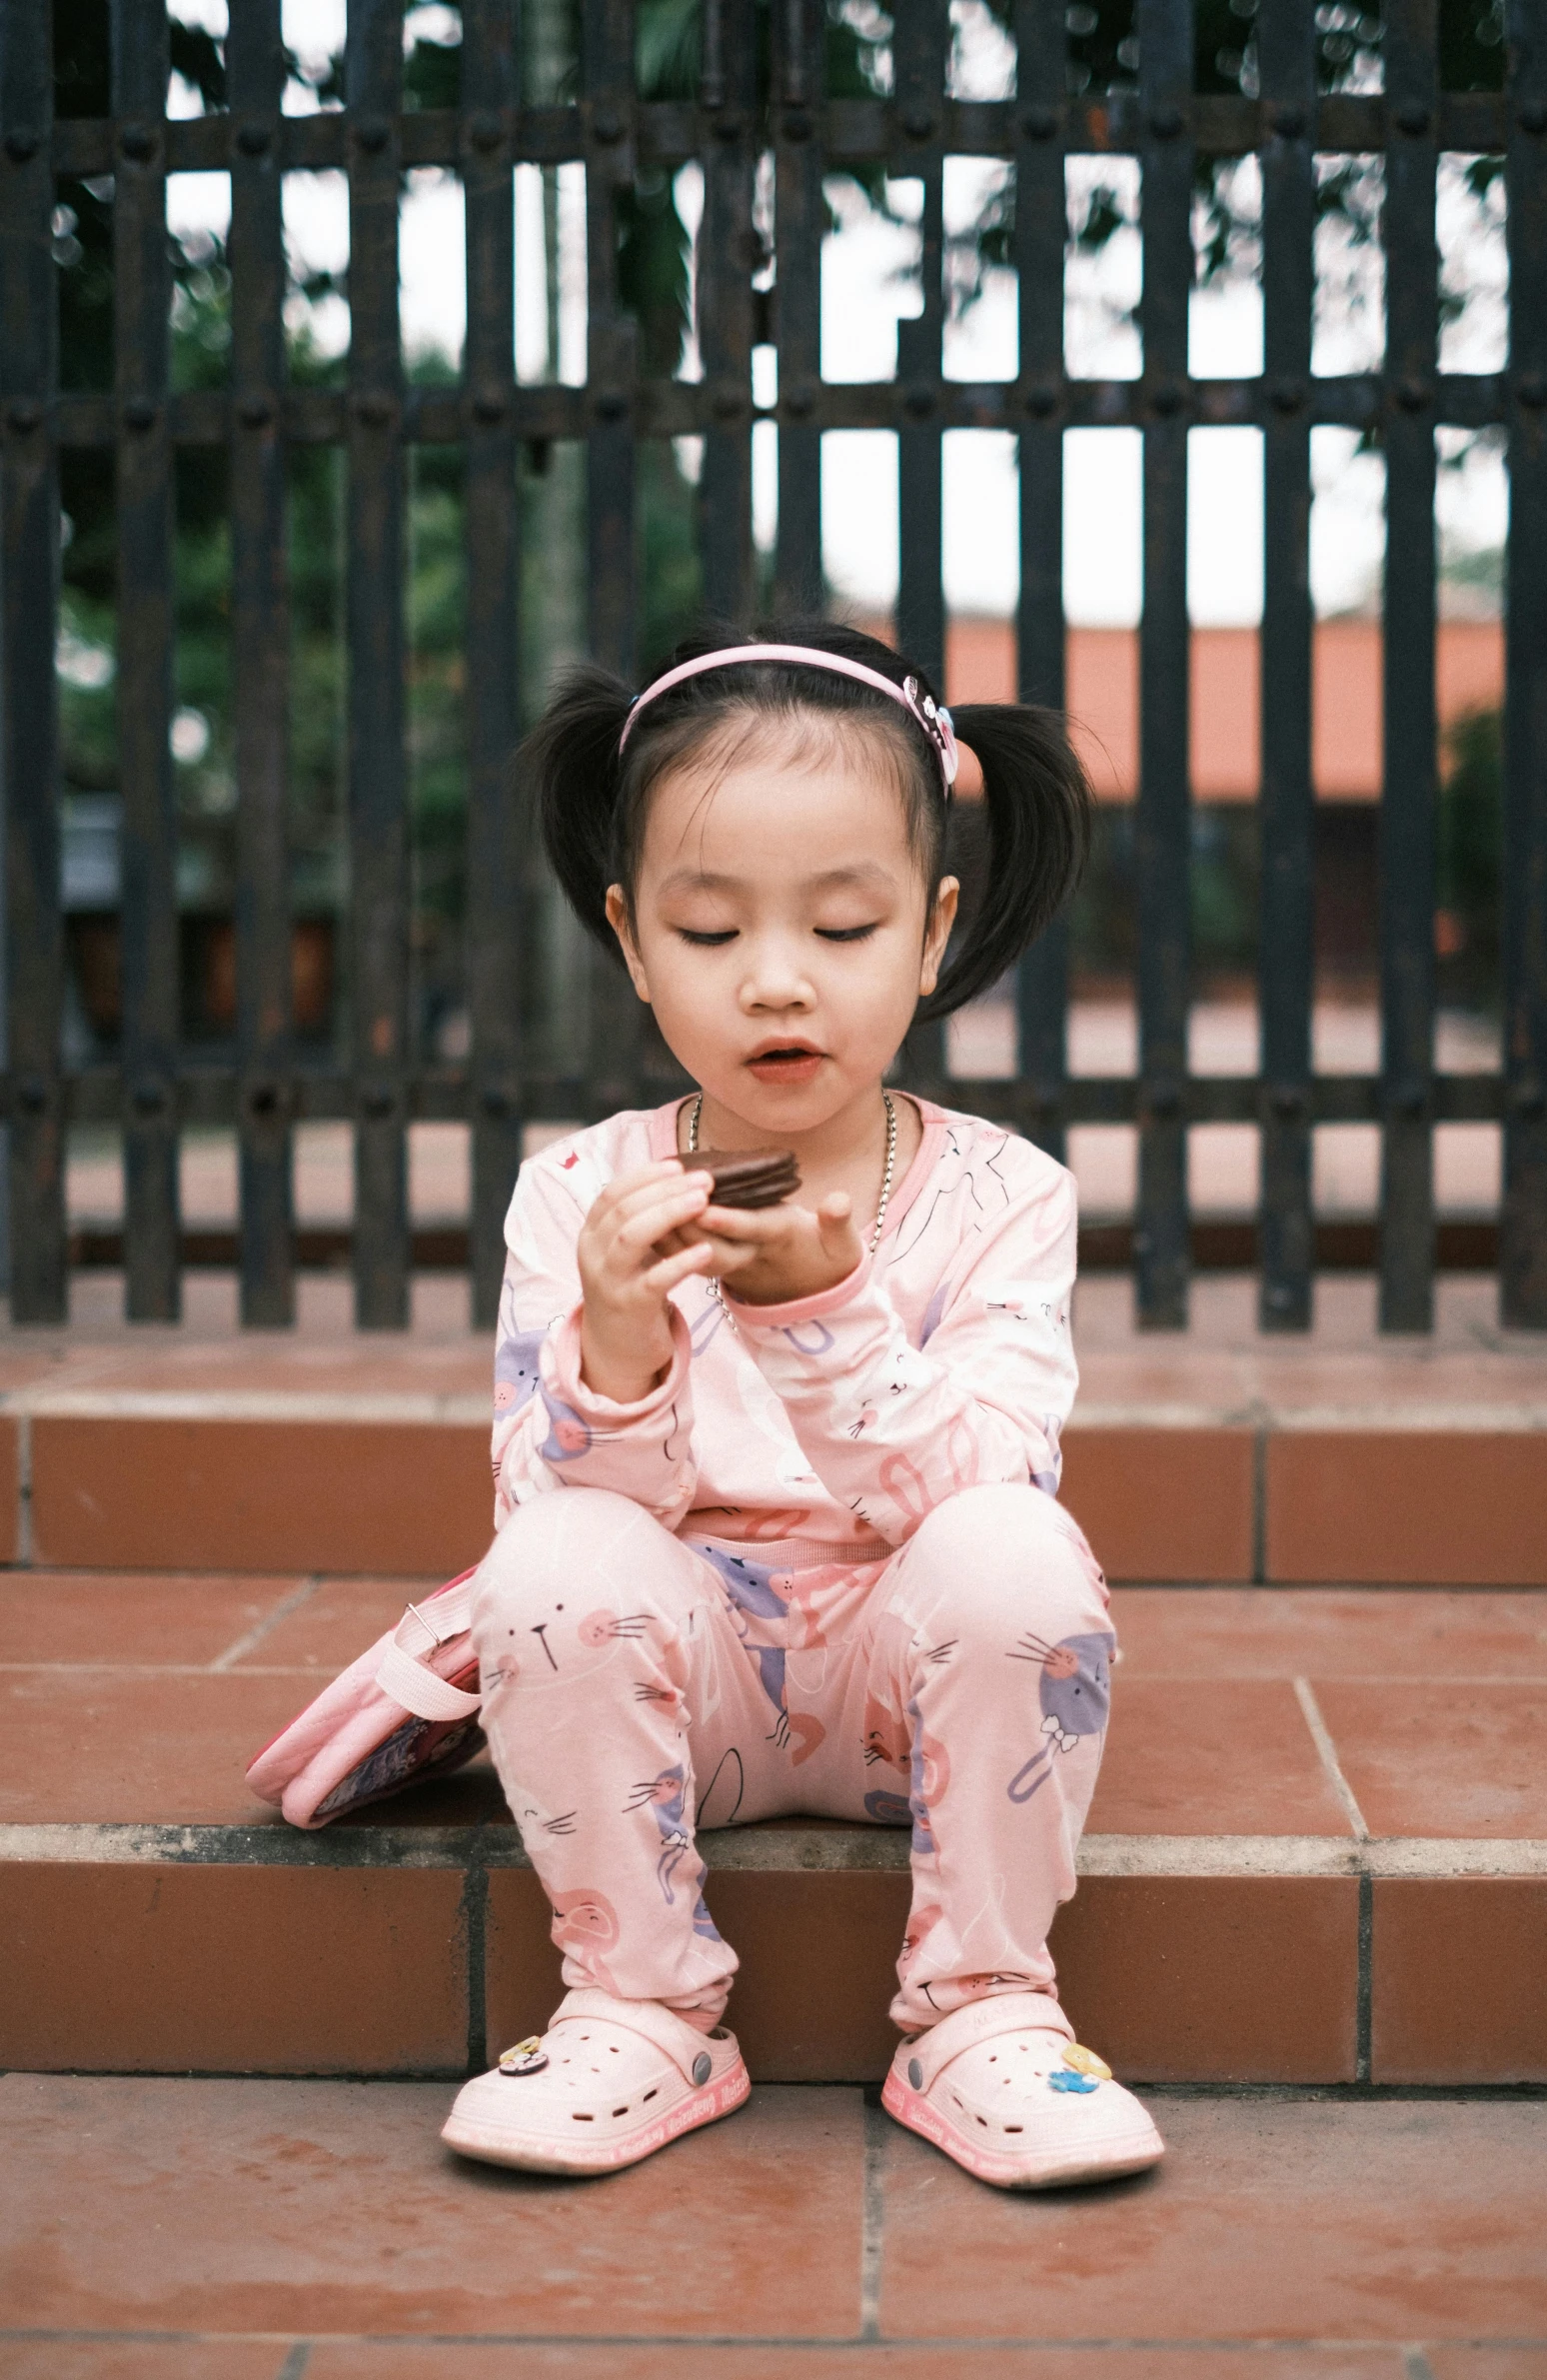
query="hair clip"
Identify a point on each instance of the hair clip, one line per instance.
(935, 721)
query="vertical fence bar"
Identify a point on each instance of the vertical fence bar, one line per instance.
(493, 929)
(921, 50)
(1042, 984)
(378, 789)
(611, 372)
(798, 299)
(1523, 1222)
(1407, 810)
(920, 53)
(1286, 50)
(725, 297)
(255, 67)
(145, 586)
(29, 622)
(1162, 825)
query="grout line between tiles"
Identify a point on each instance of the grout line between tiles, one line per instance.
(1365, 1941)
(873, 2223)
(1364, 1987)
(475, 1919)
(262, 1627)
(1259, 1493)
(1321, 1738)
(859, 2350)
(24, 1548)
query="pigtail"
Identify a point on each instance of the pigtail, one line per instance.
(1037, 800)
(570, 768)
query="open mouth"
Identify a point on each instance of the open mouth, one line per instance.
(786, 1061)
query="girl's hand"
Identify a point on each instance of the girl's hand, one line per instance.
(634, 1246)
(769, 1255)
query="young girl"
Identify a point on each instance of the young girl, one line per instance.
(775, 1488)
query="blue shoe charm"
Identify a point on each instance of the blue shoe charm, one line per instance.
(1066, 2080)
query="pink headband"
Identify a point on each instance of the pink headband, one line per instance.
(933, 717)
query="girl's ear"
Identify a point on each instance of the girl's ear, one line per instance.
(943, 915)
(622, 926)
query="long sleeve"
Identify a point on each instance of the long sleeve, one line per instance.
(892, 1429)
(550, 1430)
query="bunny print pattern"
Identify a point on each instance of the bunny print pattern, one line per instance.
(914, 1709)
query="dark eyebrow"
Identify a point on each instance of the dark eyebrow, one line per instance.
(864, 876)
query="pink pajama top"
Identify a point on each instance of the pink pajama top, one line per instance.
(832, 1425)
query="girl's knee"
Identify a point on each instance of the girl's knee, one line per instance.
(582, 1539)
(1007, 1555)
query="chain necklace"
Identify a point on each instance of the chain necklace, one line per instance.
(886, 1188)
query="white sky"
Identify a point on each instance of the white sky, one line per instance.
(869, 283)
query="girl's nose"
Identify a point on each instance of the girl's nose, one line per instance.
(776, 979)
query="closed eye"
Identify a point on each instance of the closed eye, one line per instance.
(844, 932)
(707, 941)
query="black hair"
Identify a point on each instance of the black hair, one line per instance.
(592, 801)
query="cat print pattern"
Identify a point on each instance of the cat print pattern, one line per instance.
(643, 1662)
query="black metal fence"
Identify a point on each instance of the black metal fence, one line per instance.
(747, 104)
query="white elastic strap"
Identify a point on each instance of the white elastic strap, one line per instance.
(419, 1689)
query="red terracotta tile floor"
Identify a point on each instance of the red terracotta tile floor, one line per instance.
(250, 2230)
(1311, 1798)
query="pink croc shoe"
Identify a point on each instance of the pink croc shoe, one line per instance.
(610, 2083)
(1003, 2086)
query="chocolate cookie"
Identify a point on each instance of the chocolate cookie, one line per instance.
(748, 1176)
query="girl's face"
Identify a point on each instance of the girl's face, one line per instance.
(781, 930)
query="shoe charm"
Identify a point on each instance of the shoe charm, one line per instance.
(528, 2057)
(1085, 2061)
(1066, 2080)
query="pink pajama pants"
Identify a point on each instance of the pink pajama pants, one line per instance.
(638, 1685)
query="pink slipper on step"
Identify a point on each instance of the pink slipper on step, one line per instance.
(1003, 2086)
(610, 2083)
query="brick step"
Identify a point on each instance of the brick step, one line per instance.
(1310, 1801)
(262, 1480)
(1216, 1457)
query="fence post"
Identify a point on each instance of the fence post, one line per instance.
(728, 95)
(1163, 823)
(798, 301)
(491, 930)
(615, 1021)
(29, 626)
(1041, 214)
(1286, 48)
(378, 787)
(142, 295)
(1523, 1223)
(260, 640)
(1407, 804)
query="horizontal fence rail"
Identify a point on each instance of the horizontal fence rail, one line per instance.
(762, 107)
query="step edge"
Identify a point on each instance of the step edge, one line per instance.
(768, 1849)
